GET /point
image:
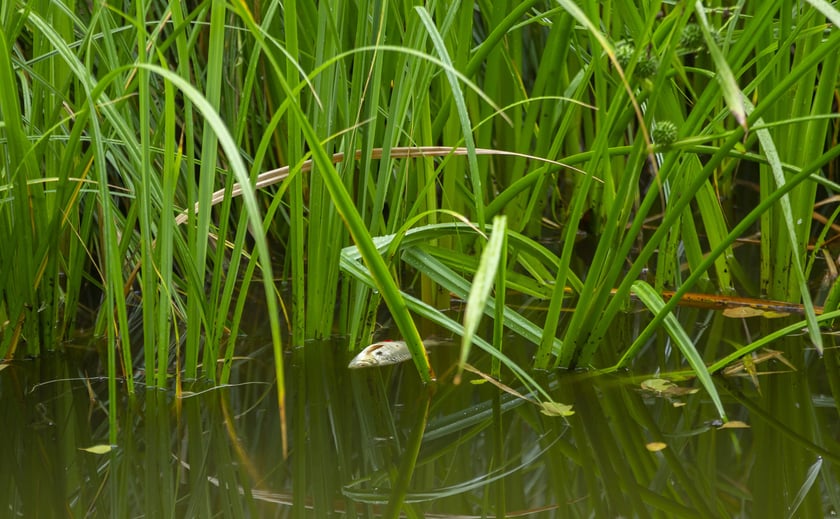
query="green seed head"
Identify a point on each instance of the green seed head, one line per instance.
(647, 68)
(692, 37)
(664, 133)
(623, 52)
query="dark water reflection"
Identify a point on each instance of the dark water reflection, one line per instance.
(216, 452)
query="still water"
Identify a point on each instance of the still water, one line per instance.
(361, 440)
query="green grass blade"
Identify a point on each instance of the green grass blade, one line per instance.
(461, 109)
(731, 92)
(807, 485)
(769, 147)
(827, 10)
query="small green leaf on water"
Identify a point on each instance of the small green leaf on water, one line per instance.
(743, 312)
(656, 446)
(664, 387)
(98, 449)
(477, 381)
(556, 409)
(659, 385)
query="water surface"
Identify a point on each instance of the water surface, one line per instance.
(360, 439)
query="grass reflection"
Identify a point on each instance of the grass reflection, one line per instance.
(378, 443)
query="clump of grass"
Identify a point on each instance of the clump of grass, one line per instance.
(115, 123)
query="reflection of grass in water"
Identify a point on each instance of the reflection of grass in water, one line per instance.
(220, 452)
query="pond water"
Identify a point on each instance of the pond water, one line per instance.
(360, 439)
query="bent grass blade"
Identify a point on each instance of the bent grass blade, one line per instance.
(655, 303)
(482, 285)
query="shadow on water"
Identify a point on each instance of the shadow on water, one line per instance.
(363, 440)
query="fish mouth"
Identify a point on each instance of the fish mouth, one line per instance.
(361, 363)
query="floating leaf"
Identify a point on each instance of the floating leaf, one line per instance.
(656, 446)
(678, 404)
(98, 449)
(743, 312)
(735, 424)
(663, 387)
(556, 409)
(659, 385)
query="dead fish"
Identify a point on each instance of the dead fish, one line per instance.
(383, 353)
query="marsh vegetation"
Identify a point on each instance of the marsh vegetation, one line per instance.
(546, 185)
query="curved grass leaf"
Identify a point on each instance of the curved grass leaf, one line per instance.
(482, 285)
(461, 109)
(456, 284)
(239, 170)
(656, 304)
(806, 487)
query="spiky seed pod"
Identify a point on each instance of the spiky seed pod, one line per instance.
(664, 133)
(647, 68)
(692, 37)
(623, 52)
